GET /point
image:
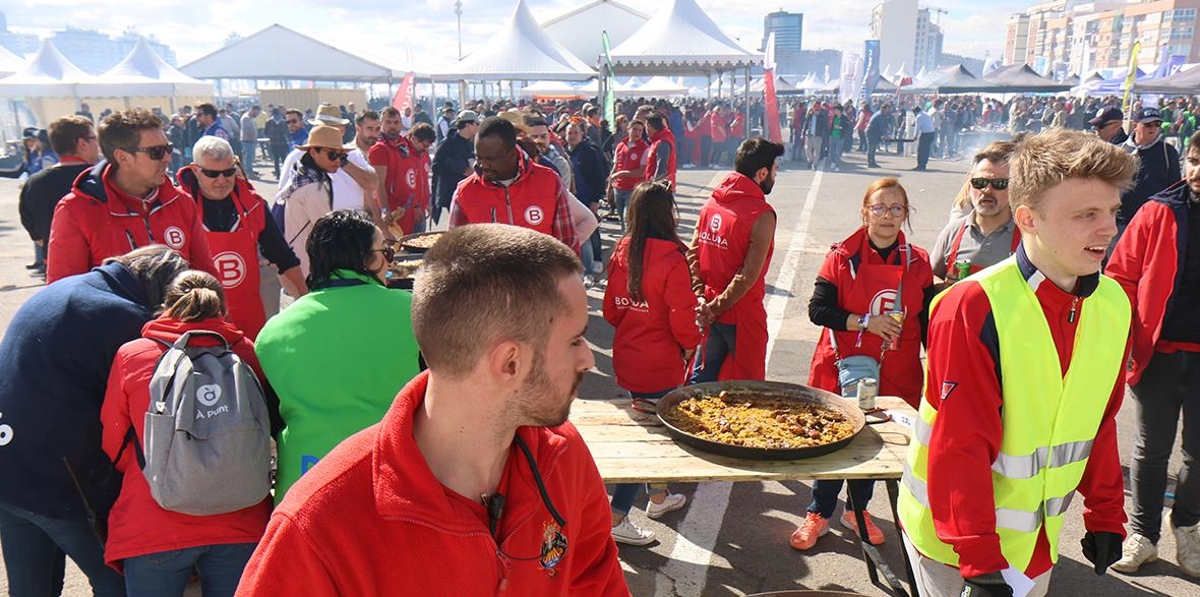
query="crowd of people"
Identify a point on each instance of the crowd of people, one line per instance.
(149, 362)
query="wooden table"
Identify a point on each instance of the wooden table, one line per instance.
(633, 447)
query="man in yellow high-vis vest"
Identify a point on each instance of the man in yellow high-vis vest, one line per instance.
(1023, 384)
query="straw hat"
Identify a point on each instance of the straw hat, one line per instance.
(516, 119)
(324, 137)
(328, 114)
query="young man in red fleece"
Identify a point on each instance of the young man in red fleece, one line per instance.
(1024, 381)
(474, 483)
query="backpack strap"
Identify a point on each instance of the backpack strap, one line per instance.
(131, 438)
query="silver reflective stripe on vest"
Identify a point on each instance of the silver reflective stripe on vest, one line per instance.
(1027, 467)
(1028, 522)
(922, 431)
(915, 486)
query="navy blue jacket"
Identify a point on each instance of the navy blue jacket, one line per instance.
(54, 364)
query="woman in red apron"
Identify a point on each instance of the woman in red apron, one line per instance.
(855, 301)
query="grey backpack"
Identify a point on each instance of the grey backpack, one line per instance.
(207, 446)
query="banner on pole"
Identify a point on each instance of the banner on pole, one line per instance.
(852, 73)
(610, 102)
(870, 75)
(770, 100)
(404, 93)
(1131, 76)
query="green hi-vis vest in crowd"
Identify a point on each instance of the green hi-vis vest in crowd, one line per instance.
(1050, 421)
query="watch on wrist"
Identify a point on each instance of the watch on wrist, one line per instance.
(862, 321)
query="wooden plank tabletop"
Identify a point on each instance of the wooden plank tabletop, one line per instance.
(629, 446)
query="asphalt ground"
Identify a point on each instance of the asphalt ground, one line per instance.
(732, 539)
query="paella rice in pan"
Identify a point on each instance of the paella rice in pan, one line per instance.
(759, 421)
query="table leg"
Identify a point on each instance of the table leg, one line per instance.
(871, 554)
(893, 489)
(864, 539)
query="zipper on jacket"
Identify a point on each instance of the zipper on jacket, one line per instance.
(150, 234)
(508, 203)
(1073, 311)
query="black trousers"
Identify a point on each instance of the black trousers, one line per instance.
(924, 148)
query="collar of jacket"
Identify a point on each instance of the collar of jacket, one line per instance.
(524, 165)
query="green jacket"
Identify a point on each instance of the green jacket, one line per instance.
(336, 358)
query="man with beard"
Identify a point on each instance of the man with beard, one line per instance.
(729, 257)
(507, 187)
(402, 508)
(397, 162)
(538, 131)
(987, 235)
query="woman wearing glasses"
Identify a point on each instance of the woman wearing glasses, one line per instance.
(855, 301)
(339, 354)
(649, 301)
(309, 193)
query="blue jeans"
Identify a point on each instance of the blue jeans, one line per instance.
(39, 254)
(248, 148)
(35, 549)
(625, 493)
(621, 203)
(591, 251)
(825, 495)
(722, 338)
(166, 574)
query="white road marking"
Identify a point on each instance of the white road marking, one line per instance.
(686, 571)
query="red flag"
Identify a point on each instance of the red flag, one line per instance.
(404, 94)
(774, 131)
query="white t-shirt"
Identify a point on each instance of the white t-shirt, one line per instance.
(346, 193)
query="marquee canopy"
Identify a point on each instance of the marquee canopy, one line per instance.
(681, 40)
(47, 74)
(144, 73)
(520, 50)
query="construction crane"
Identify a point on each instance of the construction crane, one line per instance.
(938, 12)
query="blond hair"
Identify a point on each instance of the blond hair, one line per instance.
(1048, 159)
(194, 296)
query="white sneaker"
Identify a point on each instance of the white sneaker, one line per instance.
(1187, 548)
(673, 502)
(1136, 550)
(597, 267)
(629, 534)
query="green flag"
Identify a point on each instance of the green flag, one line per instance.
(610, 102)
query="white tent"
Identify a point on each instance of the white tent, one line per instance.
(655, 87)
(681, 40)
(144, 73)
(579, 30)
(278, 53)
(9, 62)
(809, 83)
(520, 50)
(551, 89)
(47, 74)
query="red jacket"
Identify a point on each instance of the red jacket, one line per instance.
(653, 168)
(1148, 263)
(631, 154)
(651, 333)
(719, 126)
(138, 525)
(372, 519)
(536, 200)
(96, 220)
(724, 227)
(962, 383)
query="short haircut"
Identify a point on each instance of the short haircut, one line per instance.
(495, 282)
(342, 239)
(1192, 141)
(423, 132)
(532, 121)
(298, 114)
(123, 130)
(755, 154)
(1047, 159)
(495, 126)
(390, 111)
(256, 107)
(997, 152)
(366, 115)
(213, 147)
(154, 266)
(66, 132)
(655, 121)
(206, 108)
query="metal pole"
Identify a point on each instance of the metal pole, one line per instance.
(746, 106)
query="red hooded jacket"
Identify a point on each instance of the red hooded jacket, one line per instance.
(724, 228)
(137, 525)
(372, 519)
(408, 178)
(96, 220)
(651, 333)
(652, 165)
(1148, 263)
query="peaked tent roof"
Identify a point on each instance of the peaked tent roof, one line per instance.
(681, 40)
(579, 30)
(1187, 81)
(952, 79)
(520, 50)
(47, 74)
(9, 62)
(1019, 78)
(144, 73)
(656, 86)
(278, 52)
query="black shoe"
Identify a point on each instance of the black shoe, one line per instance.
(34, 266)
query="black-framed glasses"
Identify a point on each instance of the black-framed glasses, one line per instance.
(895, 210)
(155, 153)
(335, 155)
(980, 184)
(388, 253)
(227, 173)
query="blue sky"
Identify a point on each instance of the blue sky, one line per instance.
(428, 26)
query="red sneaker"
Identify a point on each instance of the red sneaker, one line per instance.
(876, 535)
(813, 528)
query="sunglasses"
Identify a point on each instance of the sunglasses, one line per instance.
(388, 253)
(895, 210)
(999, 184)
(334, 155)
(155, 153)
(227, 173)
(1153, 125)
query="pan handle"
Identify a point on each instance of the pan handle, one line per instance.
(643, 406)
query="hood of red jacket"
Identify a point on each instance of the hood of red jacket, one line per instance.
(524, 165)
(169, 330)
(736, 187)
(242, 188)
(853, 243)
(655, 250)
(97, 184)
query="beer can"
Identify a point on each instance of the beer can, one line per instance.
(868, 388)
(963, 268)
(899, 317)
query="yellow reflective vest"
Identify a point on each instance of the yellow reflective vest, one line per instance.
(1049, 420)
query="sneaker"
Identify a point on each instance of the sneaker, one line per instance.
(1187, 548)
(1136, 550)
(33, 265)
(673, 502)
(629, 534)
(874, 535)
(597, 267)
(814, 527)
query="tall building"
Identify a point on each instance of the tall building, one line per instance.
(96, 52)
(907, 35)
(788, 30)
(928, 50)
(21, 44)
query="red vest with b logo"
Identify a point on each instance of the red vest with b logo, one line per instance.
(529, 202)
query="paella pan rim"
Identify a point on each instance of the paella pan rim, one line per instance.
(406, 241)
(782, 390)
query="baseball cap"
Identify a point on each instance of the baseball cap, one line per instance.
(467, 116)
(1105, 115)
(1148, 115)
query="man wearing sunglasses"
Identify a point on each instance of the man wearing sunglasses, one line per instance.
(1158, 165)
(1107, 125)
(354, 181)
(310, 193)
(987, 235)
(238, 228)
(125, 202)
